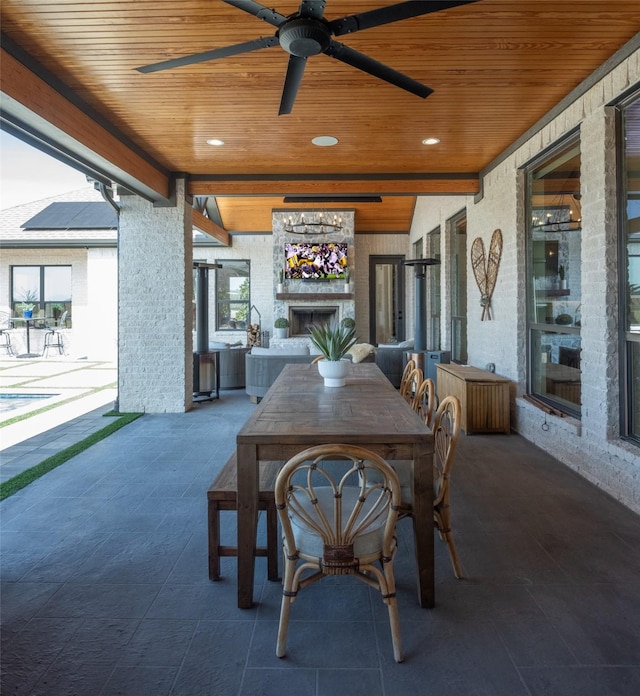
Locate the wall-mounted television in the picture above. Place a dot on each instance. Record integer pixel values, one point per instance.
(315, 261)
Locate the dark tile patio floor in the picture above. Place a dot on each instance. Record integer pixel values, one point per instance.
(105, 588)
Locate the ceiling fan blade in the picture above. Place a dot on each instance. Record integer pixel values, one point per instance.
(225, 52)
(295, 71)
(257, 10)
(391, 13)
(373, 67)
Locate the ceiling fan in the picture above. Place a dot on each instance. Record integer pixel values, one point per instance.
(307, 33)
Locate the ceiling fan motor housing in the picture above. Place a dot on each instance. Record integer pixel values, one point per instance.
(304, 37)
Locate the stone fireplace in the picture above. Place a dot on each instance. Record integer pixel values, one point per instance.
(301, 319)
(305, 302)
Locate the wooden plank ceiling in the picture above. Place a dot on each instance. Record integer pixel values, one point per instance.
(496, 67)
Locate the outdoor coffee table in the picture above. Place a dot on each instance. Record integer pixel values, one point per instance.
(297, 412)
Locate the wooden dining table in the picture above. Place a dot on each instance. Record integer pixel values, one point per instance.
(297, 412)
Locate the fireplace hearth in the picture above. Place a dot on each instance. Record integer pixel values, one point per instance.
(301, 319)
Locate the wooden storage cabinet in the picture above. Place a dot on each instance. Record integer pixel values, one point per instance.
(484, 397)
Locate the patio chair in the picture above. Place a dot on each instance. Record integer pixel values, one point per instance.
(54, 336)
(446, 433)
(338, 507)
(410, 365)
(424, 401)
(410, 384)
(5, 332)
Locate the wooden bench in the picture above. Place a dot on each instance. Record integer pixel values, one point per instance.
(223, 495)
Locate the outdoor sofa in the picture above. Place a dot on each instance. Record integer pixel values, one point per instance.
(263, 365)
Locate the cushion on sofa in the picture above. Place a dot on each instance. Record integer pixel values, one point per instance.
(360, 351)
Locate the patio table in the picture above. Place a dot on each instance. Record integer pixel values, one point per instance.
(29, 322)
(297, 412)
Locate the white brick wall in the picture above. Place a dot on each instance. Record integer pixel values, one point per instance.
(431, 212)
(102, 292)
(155, 299)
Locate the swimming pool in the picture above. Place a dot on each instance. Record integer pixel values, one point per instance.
(11, 402)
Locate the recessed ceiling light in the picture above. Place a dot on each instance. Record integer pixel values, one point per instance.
(325, 141)
(215, 141)
(431, 141)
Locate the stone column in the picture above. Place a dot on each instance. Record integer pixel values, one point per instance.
(155, 287)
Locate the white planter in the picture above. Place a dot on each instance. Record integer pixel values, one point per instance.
(333, 372)
(281, 333)
(279, 288)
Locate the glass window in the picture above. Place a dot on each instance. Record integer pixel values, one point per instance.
(233, 293)
(47, 288)
(554, 243)
(417, 249)
(630, 270)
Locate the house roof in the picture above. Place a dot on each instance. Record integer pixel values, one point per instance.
(24, 225)
(78, 218)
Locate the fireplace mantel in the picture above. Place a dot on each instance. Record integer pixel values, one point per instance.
(313, 296)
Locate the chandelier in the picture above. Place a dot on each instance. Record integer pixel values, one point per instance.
(310, 222)
(561, 215)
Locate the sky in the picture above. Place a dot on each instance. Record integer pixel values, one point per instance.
(27, 175)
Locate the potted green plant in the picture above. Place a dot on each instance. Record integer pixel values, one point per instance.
(27, 305)
(561, 275)
(27, 309)
(349, 322)
(56, 310)
(347, 280)
(334, 343)
(281, 327)
(280, 286)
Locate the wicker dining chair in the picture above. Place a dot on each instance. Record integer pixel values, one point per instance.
(411, 384)
(338, 507)
(425, 401)
(446, 433)
(410, 365)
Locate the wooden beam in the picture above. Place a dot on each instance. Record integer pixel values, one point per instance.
(28, 99)
(387, 185)
(204, 224)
